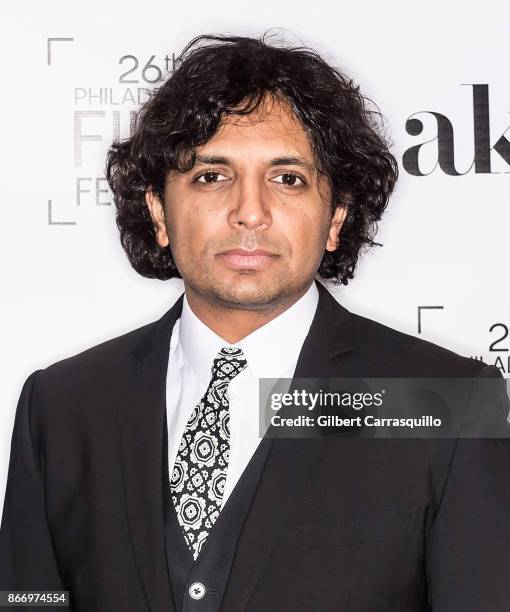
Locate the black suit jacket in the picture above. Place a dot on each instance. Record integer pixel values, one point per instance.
(336, 524)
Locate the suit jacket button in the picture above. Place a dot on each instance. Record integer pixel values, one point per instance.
(196, 590)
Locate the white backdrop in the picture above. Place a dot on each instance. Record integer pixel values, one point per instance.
(66, 282)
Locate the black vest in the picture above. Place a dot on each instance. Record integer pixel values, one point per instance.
(198, 586)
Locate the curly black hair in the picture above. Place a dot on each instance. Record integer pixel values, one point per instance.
(219, 75)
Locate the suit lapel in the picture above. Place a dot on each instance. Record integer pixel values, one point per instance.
(141, 426)
(330, 338)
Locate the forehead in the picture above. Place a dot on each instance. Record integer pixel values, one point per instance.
(271, 127)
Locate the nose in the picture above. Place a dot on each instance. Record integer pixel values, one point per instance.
(251, 205)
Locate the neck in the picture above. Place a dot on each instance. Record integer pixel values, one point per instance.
(233, 323)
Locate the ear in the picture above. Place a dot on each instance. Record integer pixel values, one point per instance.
(157, 212)
(335, 226)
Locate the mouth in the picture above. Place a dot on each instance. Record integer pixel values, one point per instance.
(247, 260)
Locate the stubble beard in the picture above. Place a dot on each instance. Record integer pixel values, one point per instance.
(263, 294)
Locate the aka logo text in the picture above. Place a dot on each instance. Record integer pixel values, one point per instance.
(446, 142)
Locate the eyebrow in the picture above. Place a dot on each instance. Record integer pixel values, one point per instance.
(277, 161)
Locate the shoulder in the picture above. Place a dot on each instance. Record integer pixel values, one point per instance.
(112, 359)
(102, 353)
(89, 374)
(399, 353)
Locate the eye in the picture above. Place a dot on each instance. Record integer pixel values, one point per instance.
(209, 177)
(289, 179)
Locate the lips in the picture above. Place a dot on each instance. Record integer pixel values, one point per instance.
(245, 252)
(241, 258)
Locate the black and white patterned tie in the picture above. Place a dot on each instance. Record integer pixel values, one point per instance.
(200, 469)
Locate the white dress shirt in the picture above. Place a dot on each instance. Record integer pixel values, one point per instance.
(271, 351)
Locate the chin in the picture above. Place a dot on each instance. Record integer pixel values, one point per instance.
(249, 292)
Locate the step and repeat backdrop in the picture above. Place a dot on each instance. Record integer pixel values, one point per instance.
(73, 76)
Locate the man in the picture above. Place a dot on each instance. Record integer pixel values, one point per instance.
(138, 477)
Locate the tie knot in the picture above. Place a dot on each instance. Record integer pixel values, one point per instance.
(229, 362)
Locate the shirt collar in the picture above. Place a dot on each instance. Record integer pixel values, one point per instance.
(269, 350)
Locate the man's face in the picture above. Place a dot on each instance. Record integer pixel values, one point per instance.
(249, 223)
